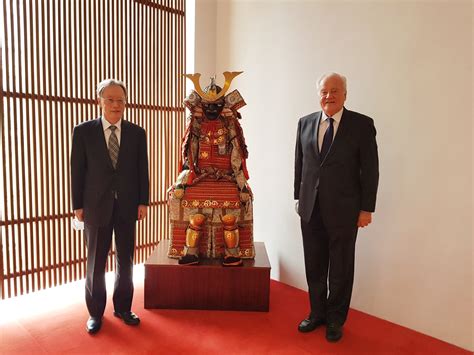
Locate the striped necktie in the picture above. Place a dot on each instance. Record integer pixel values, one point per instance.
(113, 146)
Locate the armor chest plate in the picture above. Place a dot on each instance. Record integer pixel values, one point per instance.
(214, 147)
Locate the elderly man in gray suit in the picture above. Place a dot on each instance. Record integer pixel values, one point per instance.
(336, 179)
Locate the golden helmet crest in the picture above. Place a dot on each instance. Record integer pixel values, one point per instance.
(212, 95)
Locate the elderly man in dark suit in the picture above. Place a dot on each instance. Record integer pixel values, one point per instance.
(336, 179)
(109, 174)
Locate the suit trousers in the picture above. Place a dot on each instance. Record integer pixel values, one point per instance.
(329, 261)
(99, 240)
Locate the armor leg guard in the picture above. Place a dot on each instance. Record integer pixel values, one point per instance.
(193, 234)
(231, 240)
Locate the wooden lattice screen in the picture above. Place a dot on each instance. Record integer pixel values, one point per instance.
(53, 54)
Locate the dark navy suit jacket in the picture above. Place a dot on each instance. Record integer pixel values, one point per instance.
(347, 180)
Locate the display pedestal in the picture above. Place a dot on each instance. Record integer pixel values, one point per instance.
(208, 285)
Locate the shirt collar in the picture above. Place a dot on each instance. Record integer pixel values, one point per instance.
(337, 116)
(106, 124)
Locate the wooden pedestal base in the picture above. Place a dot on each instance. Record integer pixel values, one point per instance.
(208, 285)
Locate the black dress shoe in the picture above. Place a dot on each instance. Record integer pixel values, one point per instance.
(309, 324)
(93, 324)
(188, 259)
(128, 318)
(333, 332)
(232, 261)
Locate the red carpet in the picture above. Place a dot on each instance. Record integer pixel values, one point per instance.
(36, 327)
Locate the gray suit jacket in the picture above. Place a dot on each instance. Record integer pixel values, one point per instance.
(347, 180)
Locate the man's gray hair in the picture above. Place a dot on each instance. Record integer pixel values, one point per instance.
(328, 75)
(109, 82)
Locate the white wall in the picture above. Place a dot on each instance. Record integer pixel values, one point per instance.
(205, 39)
(409, 66)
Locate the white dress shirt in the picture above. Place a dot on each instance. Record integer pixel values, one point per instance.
(324, 124)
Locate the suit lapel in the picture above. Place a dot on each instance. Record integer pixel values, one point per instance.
(315, 130)
(124, 137)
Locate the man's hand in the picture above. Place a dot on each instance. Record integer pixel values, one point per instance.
(365, 218)
(297, 203)
(142, 211)
(79, 214)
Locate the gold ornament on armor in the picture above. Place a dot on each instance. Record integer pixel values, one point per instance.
(193, 232)
(231, 231)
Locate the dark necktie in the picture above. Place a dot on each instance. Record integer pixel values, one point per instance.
(113, 146)
(327, 140)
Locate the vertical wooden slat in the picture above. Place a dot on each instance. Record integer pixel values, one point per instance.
(149, 219)
(112, 38)
(165, 112)
(151, 129)
(168, 95)
(93, 59)
(16, 244)
(45, 149)
(165, 103)
(3, 252)
(53, 138)
(161, 118)
(17, 152)
(49, 150)
(6, 160)
(158, 115)
(149, 116)
(126, 44)
(155, 137)
(152, 133)
(40, 152)
(23, 254)
(120, 38)
(182, 87)
(176, 88)
(72, 237)
(35, 104)
(62, 132)
(47, 140)
(146, 116)
(29, 233)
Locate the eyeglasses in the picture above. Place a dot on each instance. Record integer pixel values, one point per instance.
(110, 101)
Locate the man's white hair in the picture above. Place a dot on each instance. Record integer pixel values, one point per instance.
(331, 74)
(109, 82)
